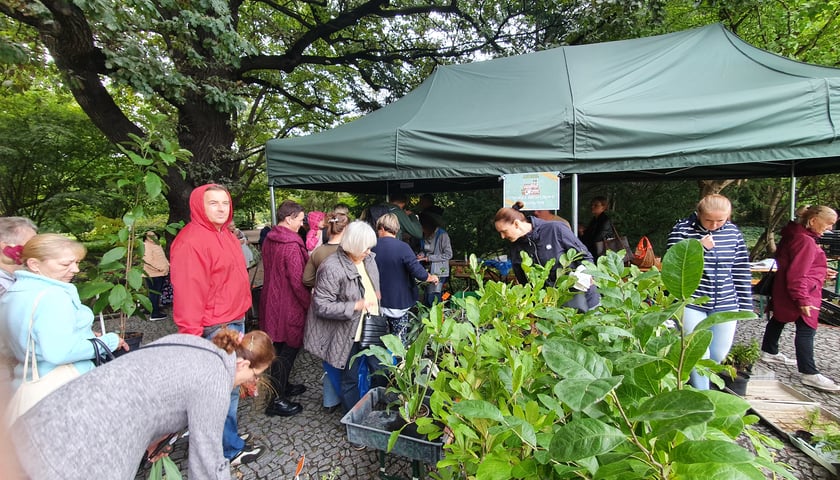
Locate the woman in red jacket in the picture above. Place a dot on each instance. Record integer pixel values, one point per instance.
(797, 293)
(283, 303)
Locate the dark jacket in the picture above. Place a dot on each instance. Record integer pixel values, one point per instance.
(599, 228)
(284, 299)
(398, 267)
(800, 276)
(332, 322)
(545, 241)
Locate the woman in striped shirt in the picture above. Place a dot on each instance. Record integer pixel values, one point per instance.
(726, 273)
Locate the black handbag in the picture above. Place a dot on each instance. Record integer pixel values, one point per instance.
(374, 327)
(765, 285)
(101, 353)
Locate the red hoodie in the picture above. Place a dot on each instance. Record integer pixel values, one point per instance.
(210, 283)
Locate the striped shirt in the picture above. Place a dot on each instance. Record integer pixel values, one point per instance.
(726, 267)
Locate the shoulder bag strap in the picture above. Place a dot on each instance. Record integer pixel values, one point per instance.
(30, 344)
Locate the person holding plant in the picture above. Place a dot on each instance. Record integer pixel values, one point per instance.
(346, 287)
(212, 290)
(110, 416)
(797, 294)
(398, 269)
(726, 274)
(156, 267)
(283, 304)
(542, 241)
(43, 296)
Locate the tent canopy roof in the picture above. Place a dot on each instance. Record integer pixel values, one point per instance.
(700, 103)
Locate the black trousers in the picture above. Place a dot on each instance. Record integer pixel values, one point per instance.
(281, 367)
(803, 341)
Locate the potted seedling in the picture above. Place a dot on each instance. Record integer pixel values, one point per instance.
(409, 371)
(741, 358)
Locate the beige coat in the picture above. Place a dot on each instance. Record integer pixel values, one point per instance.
(155, 263)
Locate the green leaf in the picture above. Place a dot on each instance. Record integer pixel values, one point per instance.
(92, 289)
(729, 471)
(118, 297)
(582, 393)
(135, 278)
(112, 255)
(682, 268)
(711, 451)
(582, 438)
(675, 410)
(724, 317)
(153, 185)
(478, 409)
(570, 359)
(493, 468)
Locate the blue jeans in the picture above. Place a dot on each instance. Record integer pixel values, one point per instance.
(232, 443)
(722, 336)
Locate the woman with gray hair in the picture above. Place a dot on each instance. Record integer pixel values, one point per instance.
(346, 287)
(14, 233)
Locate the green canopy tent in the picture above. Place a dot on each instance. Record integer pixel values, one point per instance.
(700, 103)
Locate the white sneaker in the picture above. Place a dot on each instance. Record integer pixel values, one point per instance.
(777, 359)
(820, 382)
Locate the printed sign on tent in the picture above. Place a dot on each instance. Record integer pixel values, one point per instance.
(538, 191)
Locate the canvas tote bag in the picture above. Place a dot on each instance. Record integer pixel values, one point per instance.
(33, 387)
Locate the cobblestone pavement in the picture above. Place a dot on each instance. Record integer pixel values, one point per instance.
(320, 436)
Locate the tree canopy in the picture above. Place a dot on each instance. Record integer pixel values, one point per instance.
(232, 74)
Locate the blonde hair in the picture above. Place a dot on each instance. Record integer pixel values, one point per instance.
(388, 222)
(821, 211)
(714, 203)
(47, 246)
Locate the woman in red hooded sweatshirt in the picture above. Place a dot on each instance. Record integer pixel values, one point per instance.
(283, 303)
(797, 294)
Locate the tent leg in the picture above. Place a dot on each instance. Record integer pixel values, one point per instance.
(792, 194)
(273, 206)
(575, 203)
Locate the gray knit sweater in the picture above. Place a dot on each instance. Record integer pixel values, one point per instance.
(100, 424)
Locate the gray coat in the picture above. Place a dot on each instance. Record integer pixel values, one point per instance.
(331, 321)
(99, 425)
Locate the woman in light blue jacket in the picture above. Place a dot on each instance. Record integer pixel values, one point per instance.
(61, 324)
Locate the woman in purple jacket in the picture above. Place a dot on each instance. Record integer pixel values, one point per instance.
(283, 303)
(797, 294)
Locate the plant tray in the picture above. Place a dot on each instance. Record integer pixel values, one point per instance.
(786, 410)
(788, 419)
(774, 391)
(371, 436)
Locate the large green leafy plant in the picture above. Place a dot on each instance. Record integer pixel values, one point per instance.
(117, 281)
(529, 389)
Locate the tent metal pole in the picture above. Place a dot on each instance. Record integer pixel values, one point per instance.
(273, 204)
(575, 203)
(792, 193)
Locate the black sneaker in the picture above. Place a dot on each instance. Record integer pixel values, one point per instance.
(247, 455)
